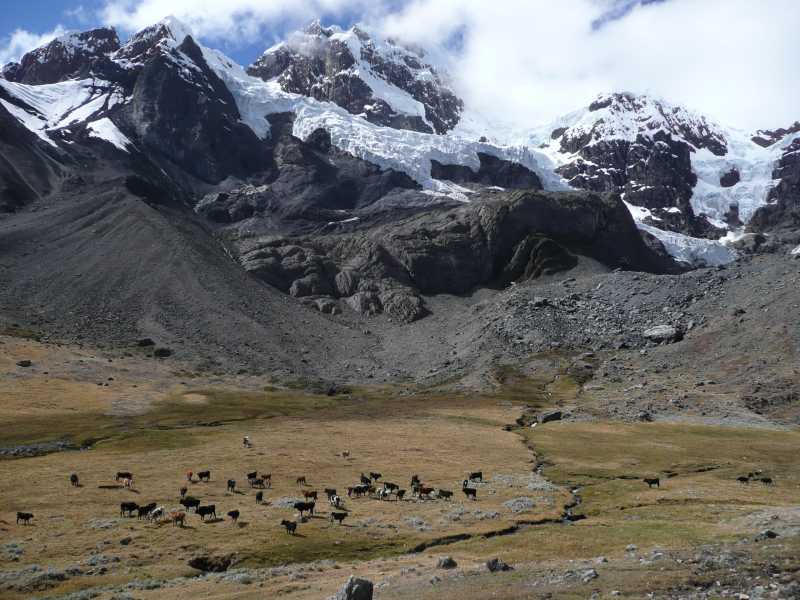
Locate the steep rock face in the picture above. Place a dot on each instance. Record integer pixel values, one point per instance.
(642, 148)
(385, 82)
(783, 210)
(73, 56)
(767, 137)
(494, 240)
(181, 110)
(492, 171)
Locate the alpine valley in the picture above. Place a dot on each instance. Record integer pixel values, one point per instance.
(331, 251)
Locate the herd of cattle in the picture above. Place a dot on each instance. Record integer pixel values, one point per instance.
(368, 486)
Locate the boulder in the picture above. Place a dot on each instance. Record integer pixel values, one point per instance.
(212, 564)
(496, 565)
(547, 417)
(162, 352)
(355, 589)
(663, 333)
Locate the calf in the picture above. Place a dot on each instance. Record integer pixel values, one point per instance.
(308, 495)
(234, 515)
(183, 491)
(128, 482)
(205, 511)
(267, 477)
(301, 480)
(24, 517)
(654, 481)
(73, 479)
(143, 511)
(476, 476)
(123, 475)
(259, 497)
(231, 486)
(178, 518)
(291, 526)
(444, 494)
(338, 516)
(127, 507)
(204, 475)
(190, 502)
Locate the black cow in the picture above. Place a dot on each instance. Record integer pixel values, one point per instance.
(468, 491)
(476, 476)
(190, 502)
(375, 476)
(252, 475)
(302, 507)
(291, 526)
(767, 480)
(205, 511)
(183, 491)
(365, 480)
(127, 507)
(654, 481)
(234, 515)
(330, 492)
(24, 517)
(338, 516)
(743, 479)
(145, 510)
(123, 475)
(73, 479)
(400, 494)
(204, 475)
(231, 485)
(259, 497)
(444, 494)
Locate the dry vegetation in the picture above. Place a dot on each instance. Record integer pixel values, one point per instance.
(198, 423)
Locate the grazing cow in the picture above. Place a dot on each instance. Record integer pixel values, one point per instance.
(24, 517)
(468, 491)
(338, 516)
(123, 475)
(231, 486)
(767, 480)
(291, 526)
(654, 481)
(127, 507)
(444, 494)
(375, 476)
(267, 477)
(476, 476)
(387, 485)
(345, 453)
(204, 511)
(335, 501)
(365, 480)
(425, 491)
(178, 518)
(251, 476)
(204, 475)
(156, 514)
(400, 494)
(330, 492)
(145, 510)
(743, 479)
(312, 494)
(73, 479)
(234, 515)
(383, 494)
(183, 491)
(301, 480)
(246, 443)
(190, 502)
(259, 497)
(302, 507)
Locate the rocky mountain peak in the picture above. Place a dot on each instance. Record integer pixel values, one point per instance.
(381, 80)
(168, 32)
(69, 56)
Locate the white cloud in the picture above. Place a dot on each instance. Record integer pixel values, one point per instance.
(21, 41)
(531, 60)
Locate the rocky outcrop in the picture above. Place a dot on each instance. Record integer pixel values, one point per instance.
(782, 212)
(766, 137)
(320, 62)
(495, 240)
(492, 171)
(72, 56)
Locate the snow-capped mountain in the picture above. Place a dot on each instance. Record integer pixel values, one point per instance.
(334, 120)
(383, 81)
